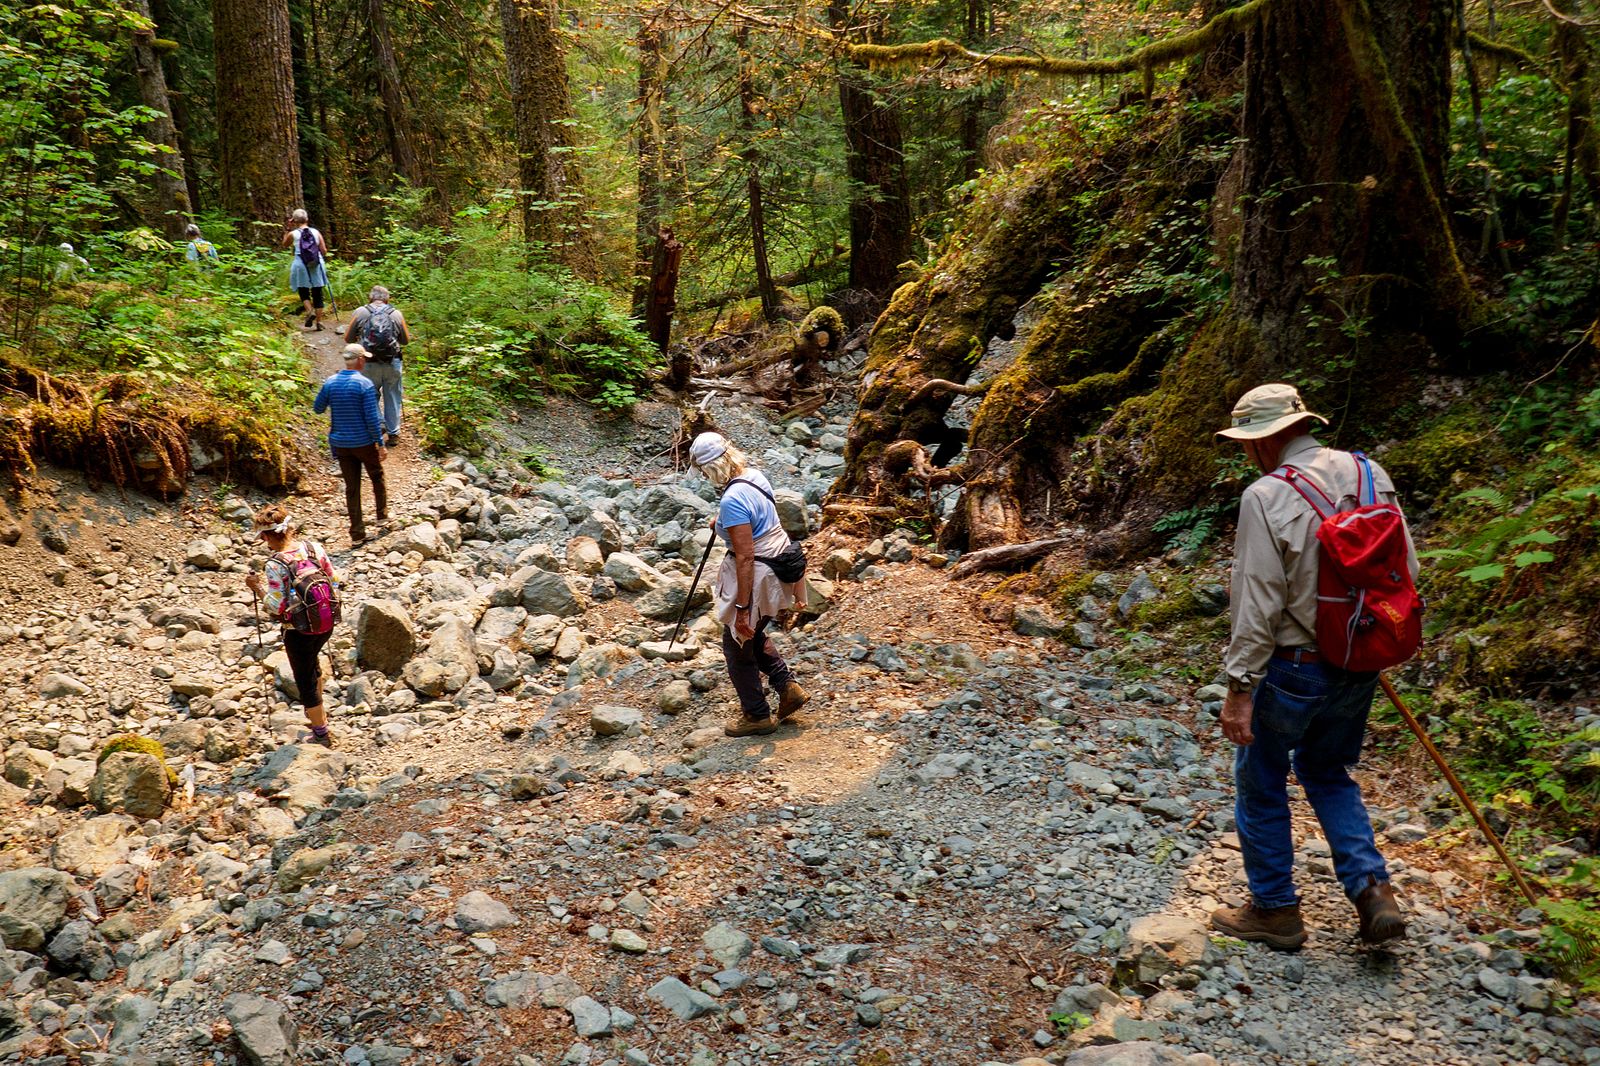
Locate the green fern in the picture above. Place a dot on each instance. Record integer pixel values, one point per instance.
(1572, 940)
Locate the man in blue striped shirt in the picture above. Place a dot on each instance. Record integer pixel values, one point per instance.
(355, 433)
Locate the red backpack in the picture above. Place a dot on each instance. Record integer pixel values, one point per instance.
(1369, 616)
(310, 599)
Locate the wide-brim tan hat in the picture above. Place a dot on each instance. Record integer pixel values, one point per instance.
(1264, 410)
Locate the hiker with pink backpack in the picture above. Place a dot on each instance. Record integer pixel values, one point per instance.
(301, 592)
(308, 270)
(1323, 597)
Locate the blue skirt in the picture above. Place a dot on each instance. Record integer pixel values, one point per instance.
(301, 278)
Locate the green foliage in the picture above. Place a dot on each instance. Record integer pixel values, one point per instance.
(69, 145)
(1571, 934)
(1192, 527)
(1070, 1022)
(488, 325)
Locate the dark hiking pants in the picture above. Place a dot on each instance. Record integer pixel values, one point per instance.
(351, 462)
(747, 662)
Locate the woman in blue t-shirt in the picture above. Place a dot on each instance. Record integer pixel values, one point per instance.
(748, 594)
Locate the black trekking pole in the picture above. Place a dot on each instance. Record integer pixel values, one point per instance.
(692, 585)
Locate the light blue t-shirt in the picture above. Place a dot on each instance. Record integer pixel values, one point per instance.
(744, 505)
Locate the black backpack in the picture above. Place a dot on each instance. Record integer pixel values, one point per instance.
(380, 336)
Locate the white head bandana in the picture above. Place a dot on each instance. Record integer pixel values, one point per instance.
(281, 527)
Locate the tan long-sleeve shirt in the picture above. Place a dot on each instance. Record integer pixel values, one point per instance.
(1273, 601)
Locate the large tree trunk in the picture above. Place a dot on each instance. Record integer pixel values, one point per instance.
(256, 128)
(542, 110)
(752, 161)
(880, 195)
(1345, 277)
(396, 113)
(177, 99)
(173, 206)
(652, 154)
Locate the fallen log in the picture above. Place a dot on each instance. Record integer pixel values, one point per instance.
(1006, 555)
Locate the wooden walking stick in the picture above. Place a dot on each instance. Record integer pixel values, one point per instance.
(1456, 787)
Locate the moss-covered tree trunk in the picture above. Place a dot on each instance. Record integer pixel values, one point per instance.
(257, 131)
(880, 195)
(1328, 218)
(171, 191)
(391, 91)
(650, 140)
(541, 107)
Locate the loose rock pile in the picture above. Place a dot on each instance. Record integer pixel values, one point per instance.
(533, 845)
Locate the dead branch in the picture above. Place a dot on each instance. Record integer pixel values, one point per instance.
(1003, 556)
(940, 386)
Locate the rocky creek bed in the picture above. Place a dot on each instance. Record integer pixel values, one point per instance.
(533, 846)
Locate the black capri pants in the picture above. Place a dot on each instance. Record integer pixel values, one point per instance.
(314, 294)
(303, 650)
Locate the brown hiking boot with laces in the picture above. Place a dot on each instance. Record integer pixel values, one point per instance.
(1280, 928)
(750, 727)
(1380, 914)
(794, 697)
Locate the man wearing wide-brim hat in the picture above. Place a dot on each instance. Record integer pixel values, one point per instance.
(1285, 706)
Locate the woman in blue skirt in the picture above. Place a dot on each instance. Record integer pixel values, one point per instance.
(308, 272)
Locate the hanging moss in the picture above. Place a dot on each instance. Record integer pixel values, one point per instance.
(1145, 60)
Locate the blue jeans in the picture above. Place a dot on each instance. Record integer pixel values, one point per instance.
(386, 376)
(1315, 716)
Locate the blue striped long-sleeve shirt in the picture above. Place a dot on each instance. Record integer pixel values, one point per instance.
(352, 404)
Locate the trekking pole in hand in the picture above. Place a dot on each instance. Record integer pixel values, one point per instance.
(261, 641)
(692, 585)
(1456, 787)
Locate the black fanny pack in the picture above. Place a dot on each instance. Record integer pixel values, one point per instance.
(788, 567)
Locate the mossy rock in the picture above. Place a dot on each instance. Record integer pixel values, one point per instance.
(143, 745)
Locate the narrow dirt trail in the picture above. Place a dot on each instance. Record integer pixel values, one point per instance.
(406, 471)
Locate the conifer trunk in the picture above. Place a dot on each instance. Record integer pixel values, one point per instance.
(172, 203)
(396, 113)
(765, 287)
(541, 107)
(880, 195)
(257, 130)
(651, 154)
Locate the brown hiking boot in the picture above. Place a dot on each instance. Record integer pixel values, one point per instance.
(747, 727)
(1380, 914)
(1280, 928)
(794, 697)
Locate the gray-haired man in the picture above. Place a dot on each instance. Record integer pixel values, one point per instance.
(382, 331)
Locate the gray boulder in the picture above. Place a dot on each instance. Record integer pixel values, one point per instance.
(479, 912)
(608, 721)
(132, 782)
(661, 503)
(544, 592)
(93, 846)
(687, 1003)
(632, 573)
(664, 603)
(585, 556)
(447, 664)
(267, 1034)
(603, 530)
(501, 625)
(422, 539)
(54, 686)
(792, 513)
(33, 904)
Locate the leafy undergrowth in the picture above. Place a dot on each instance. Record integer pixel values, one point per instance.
(492, 322)
(143, 369)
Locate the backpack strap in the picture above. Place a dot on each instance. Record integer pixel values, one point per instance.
(1366, 484)
(752, 484)
(1296, 480)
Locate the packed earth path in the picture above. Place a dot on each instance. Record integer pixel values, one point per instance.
(532, 844)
